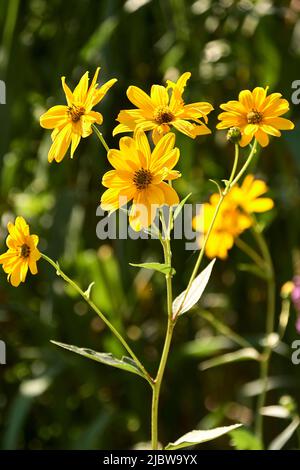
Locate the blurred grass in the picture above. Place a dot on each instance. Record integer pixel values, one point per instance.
(228, 46)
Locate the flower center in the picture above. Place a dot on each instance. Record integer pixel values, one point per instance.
(163, 115)
(254, 117)
(142, 178)
(75, 112)
(25, 251)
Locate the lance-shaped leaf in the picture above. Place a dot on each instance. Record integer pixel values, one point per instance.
(160, 267)
(198, 436)
(236, 356)
(180, 206)
(280, 441)
(126, 363)
(186, 300)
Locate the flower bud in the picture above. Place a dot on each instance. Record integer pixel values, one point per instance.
(234, 135)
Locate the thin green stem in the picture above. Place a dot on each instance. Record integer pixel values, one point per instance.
(223, 194)
(168, 339)
(100, 136)
(248, 250)
(245, 166)
(270, 320)
(225, 330)
(85, 296)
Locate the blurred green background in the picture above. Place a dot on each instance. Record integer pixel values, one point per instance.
(49, 398)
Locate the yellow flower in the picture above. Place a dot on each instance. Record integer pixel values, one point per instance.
(257, 115)
(234, 215)
(22, 252)
(229, 224)
(161, 110)
(139, 176)
(247, 196)
(75, 120)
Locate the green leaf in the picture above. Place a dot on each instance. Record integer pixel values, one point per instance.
(199, 436)
(186, 300)
(206, 346)
(243, 439)
(160, 267)
(180, 206)
(280, 441)
(125, 363)
(253, 269)
(236, 356)
(275, 411)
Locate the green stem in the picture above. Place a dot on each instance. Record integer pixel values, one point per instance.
(244, 168)
(210, 228)
(85, 296)
(270, 319)
(248, 250)
(225, 330)
(168, 339)
(100, 136)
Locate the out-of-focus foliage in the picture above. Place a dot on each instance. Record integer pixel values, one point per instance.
(50, 398)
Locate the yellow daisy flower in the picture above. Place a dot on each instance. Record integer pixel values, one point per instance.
(22, 252)
(229, 224)
(257, 115)
(161, 110)
(139, 176)
(247, 196)
(75, 120)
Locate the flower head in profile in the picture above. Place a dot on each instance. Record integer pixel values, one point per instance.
(73, 121)
(139, 176)
(162, 110)
(256, 115)
(22, 252)
(229, 224)
(248, 195)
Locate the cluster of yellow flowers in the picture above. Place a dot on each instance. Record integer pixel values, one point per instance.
(141, 174)
(234, 216)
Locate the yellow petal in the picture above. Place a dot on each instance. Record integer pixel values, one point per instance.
(117, 179)
(33, 266)
(54, 117)
(170, 196)
(95, 96)
(245, 140)
(68, 93)
(279, 123)
(75, 142)
(81, 89)
(270, 130)
(259, 96)
(245, 98)
(142, 212)
(123, 160)
(159, 95)
(250, 129)
(189, 129)
(166, 160)
(113, 198)
(164, 146)
(261, 204)
(60, 144)
(262, 138)
(142, 143)
(140, 99)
